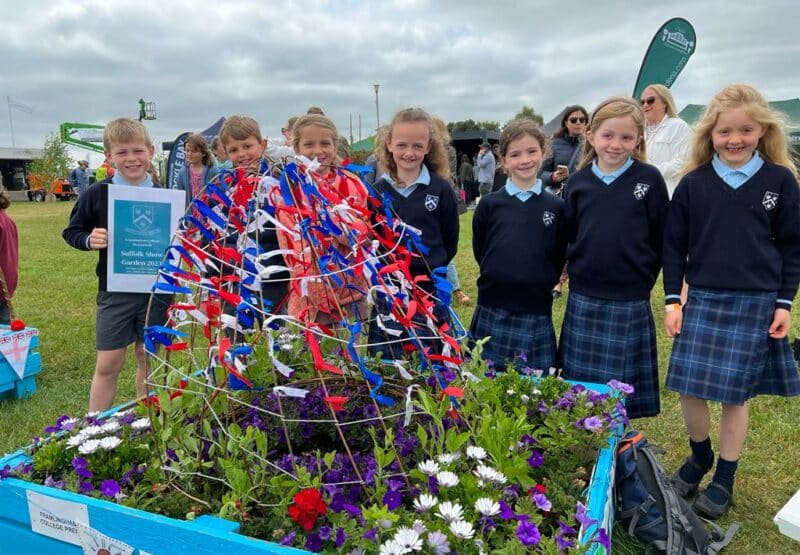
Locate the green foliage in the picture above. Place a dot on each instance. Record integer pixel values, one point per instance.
(527, 112)
(472, 125)
(55, 162)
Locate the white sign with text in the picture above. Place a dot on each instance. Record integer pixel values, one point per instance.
(56, 518)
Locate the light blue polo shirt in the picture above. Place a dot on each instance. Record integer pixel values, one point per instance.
(117, 179)
(424, 178)
(609, 178)
(523, 194)
(735, 178)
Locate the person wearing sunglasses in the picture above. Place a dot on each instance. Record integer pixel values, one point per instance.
(564, 148)
(667, 136)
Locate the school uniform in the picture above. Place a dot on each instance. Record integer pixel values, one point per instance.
(519, 241)
(741, 232)
(615, 228)
(428, 206)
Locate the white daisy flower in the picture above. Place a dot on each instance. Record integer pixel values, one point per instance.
(89, 446)
(487, 506)
(91, 431)
(110, 427)
(109, 443)
(76, 440)
(425, 502)
(448, 458)
(462, 529)
(141, 423)
(489, 474)
(438, 542)
(428, 467)
(121, 414)
(475, 452)
(510, 392)
(393, 548)
(287, 348)
(449, 512)
(92, 414)
(408, 538)
(419, 527)
(524, 398)
(447, 479)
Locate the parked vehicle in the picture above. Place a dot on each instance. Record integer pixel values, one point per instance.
(59, 188)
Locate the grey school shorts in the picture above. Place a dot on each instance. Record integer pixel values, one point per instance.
(121, 318)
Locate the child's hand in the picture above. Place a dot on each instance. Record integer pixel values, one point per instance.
(98, 238)
(780, 323)
(673, 320)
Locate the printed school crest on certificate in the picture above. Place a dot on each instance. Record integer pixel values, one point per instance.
(142, 216)
(548, 218)
(770, 201)
(431, 202)
(640, 191)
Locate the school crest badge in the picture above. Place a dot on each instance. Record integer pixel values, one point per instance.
(431, 202)
(640, 191)
(548, 218)
(142, 216)
(770, 201)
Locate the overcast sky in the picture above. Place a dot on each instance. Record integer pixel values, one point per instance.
(197, 60)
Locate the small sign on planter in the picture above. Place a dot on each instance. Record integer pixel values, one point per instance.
(56, 518)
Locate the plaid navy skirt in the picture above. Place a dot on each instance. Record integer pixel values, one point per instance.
(724, 352)
(529, 337)
(603, 339)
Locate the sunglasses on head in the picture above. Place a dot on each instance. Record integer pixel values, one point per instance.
(573, 120)
(649, 100)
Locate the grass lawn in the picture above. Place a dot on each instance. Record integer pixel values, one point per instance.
(56, 294)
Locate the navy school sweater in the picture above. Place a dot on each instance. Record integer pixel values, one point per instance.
(433, 210)
(90, 211)
(615, 232)
(746, 238)
(520, 248)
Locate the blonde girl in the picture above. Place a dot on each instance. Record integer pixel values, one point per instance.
(414, 156)
(615, 207)
(733, 233)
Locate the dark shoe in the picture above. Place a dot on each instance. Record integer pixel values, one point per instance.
(682, 487)
(710, 509)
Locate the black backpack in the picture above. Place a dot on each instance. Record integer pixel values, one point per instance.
(653, 512)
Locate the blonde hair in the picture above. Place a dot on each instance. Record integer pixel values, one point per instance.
(772, 146)
(610, 108)
(436, 159)
(517, 129)
(239, 128)
(666, 97)
(314, 120)
(444, 137)
(124, 130)
(199, 143)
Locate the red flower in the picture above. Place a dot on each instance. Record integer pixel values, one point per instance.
(307, 507)
(17, 325)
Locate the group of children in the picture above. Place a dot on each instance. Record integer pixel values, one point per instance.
(732, 232)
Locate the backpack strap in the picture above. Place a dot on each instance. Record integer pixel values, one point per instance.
(721, 537)
(636, 513)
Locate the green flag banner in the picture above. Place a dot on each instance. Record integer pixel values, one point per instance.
(670, 49)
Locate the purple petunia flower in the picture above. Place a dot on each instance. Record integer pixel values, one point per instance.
(622, 387)
(81, 467)
(581, 516)
(603, 539)
(522, 356)
(371, 534)
(392, 499)
(563, 528)
(49, 482)
(528, 533)
(288, 538)
(109, 488)
(593, 424)
(542, 502)
(563, 542)
(506, 512)
(433, 485)
(5, 472)
(536, 459)
(341, 537)
(528, 440)
(542, 407)
(313, 543)
(84, 486)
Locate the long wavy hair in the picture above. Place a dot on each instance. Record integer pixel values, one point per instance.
(562, 129)
(772, 146)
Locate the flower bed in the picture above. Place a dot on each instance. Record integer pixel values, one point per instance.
(457, 489)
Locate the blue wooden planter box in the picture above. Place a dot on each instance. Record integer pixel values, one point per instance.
(11, 386)
(151, 534)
